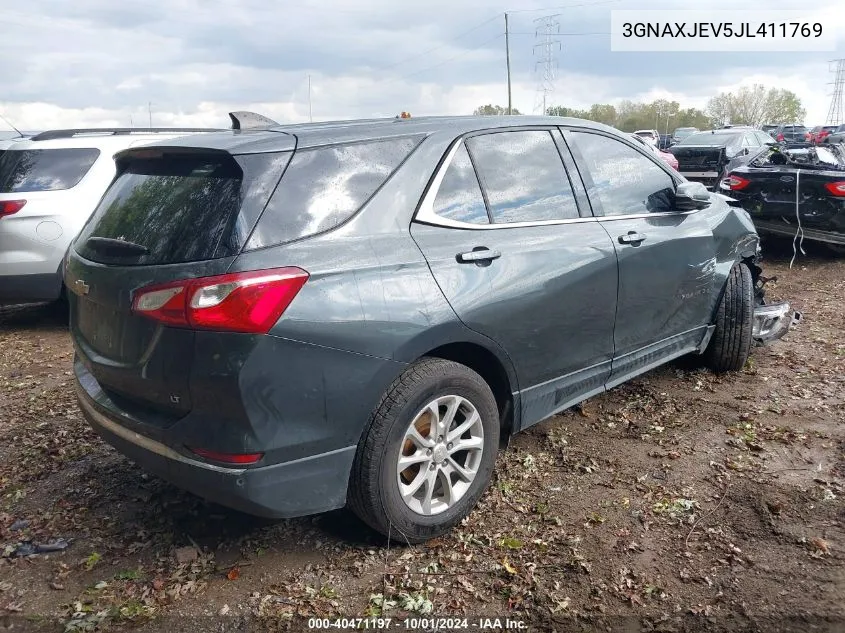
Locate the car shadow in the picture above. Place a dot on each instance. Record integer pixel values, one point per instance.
(133, 501)
(34, 316)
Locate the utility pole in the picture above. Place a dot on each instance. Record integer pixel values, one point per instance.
(310, 118)
(508, 60)
(834, 115)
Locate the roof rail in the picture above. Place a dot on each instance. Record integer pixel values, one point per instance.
(245, 120)
(115, 131)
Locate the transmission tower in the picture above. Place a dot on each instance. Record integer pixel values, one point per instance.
(548, 44)
(834, 115)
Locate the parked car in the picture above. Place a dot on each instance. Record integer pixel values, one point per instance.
(664, 141)
(681, 133)
(794, 135)
(49, 185)
(816, 135)
(652, 136)
(8, 141)
(836, 136)
(703, 156)
(781, 188)
(768, 128)
(328, 314)
(665, 156)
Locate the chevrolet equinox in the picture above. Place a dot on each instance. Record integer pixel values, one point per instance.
(297, 318)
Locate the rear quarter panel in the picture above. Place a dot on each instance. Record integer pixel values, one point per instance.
(370, 289)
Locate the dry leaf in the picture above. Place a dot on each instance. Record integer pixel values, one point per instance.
(508, 567)
(234, 573)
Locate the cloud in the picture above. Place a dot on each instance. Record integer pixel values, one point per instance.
(101, 63)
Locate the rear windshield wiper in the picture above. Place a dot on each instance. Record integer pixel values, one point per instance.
(108, 245)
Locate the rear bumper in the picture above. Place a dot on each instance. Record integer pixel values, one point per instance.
(310, 485)
(30, 288)
(818, 235)
(709, 179)
(772, 321)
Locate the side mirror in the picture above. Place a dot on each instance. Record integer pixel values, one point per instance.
(691, 196)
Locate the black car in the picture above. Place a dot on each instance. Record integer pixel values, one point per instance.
(769, 129)
(664, 142)
(785, 190)
(792, 135)
(703, 156)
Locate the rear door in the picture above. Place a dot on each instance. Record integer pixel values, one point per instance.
(512, 245)
(169, 215)
(666, 258)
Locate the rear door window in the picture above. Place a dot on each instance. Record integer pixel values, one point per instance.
(523, 177)
(325, 186)
(459, 197)
(30, 170)
(182, 207)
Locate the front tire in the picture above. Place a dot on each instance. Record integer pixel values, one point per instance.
(730, 345)
(428, 452)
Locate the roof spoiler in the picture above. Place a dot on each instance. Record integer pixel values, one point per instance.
(245, 120)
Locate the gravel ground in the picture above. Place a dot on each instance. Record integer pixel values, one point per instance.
(680, 501)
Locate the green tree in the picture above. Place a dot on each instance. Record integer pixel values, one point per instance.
(493, 110)
(564, 111)
(629, 116)
(755, 105)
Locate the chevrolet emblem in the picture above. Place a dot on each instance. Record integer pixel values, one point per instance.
(81, 287)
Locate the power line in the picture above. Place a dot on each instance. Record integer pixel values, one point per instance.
(496, 17)
(567, 6)
(451, 59)
(534, 33)
(436, 48)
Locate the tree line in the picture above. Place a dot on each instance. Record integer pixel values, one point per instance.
(750, 105)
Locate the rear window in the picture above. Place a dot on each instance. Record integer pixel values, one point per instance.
(711, 139)
(325, 186)
(181, 207)
(44, 169)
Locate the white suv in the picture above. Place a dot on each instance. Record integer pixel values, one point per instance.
(49, 186)
(649, 136)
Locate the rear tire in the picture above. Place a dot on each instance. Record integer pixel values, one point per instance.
(730, 345)
(408, 424)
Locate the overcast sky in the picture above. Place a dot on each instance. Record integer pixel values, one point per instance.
(99, 62)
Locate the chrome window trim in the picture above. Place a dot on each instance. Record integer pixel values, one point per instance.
(426, 215)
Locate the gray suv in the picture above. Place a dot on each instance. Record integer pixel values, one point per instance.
(294, 319)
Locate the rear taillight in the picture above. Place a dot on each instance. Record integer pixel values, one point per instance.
(249, 302)
(8, 207)
(780, 137)
(228, 458)
(836, 188)
(735, 183)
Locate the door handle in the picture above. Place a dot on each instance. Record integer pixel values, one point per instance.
(632, 237)
(477, 256)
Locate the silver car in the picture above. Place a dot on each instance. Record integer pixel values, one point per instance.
(49, 186)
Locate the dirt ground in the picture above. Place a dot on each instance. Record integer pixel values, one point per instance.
(681, 501)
